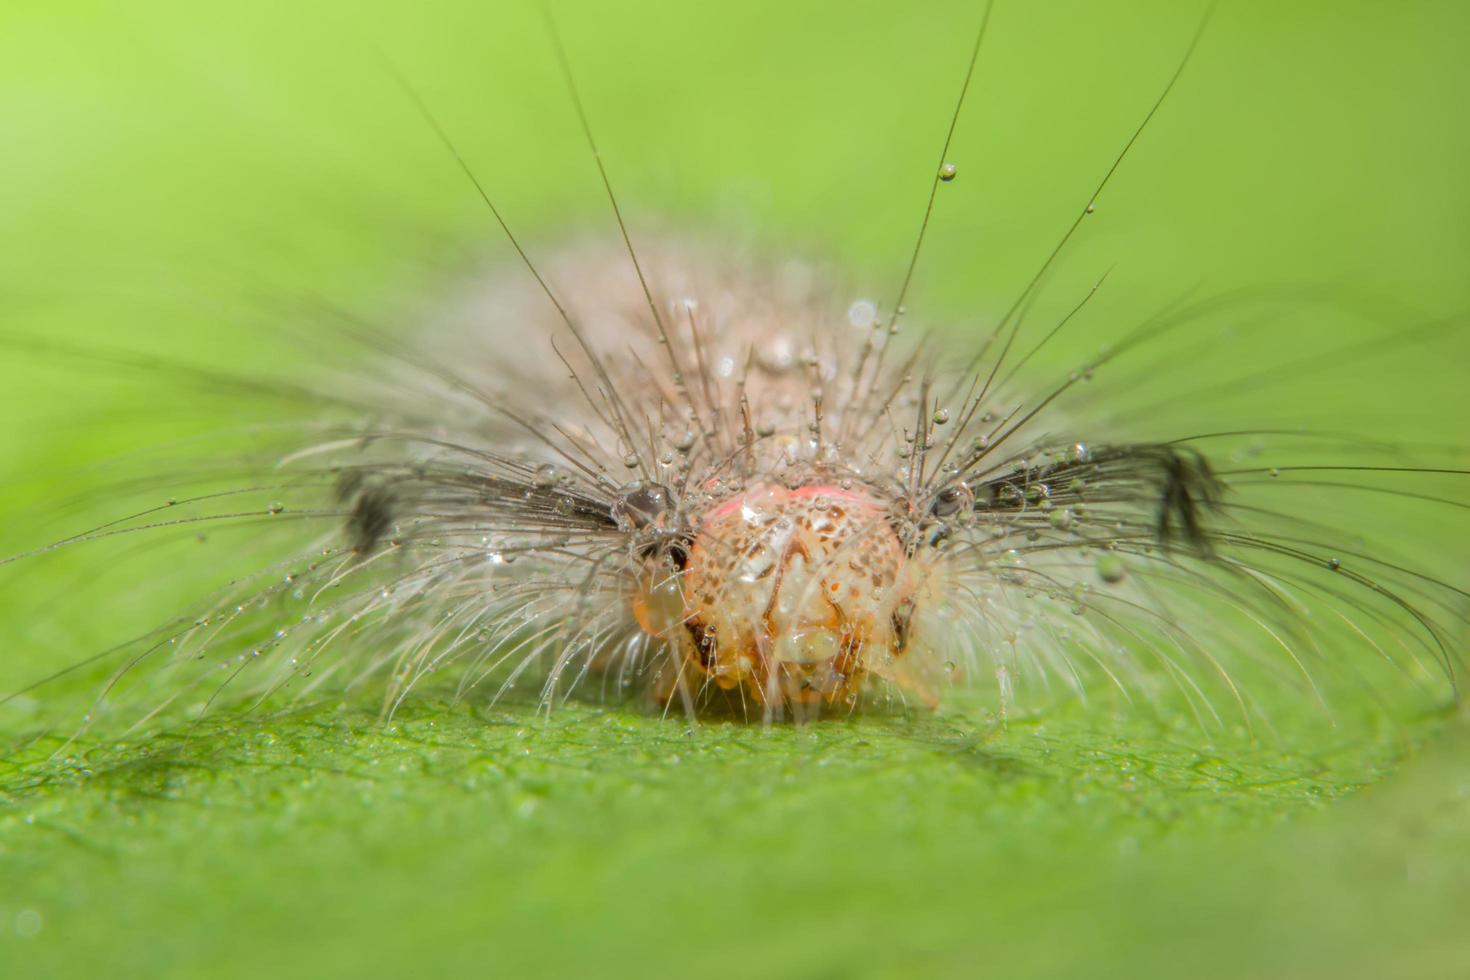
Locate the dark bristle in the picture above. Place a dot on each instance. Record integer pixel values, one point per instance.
(1187, 487)
(371, 519)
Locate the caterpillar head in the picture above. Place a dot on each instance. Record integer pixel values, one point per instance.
(793, 596)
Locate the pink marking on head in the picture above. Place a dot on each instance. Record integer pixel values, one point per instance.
(729, 506)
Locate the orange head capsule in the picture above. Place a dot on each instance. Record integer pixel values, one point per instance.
(795, 596)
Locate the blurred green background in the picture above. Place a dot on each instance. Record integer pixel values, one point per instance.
(173, 177)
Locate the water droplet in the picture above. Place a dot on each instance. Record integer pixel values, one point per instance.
(1110, 568)
(778, 355)
(1012, 571)
(643, 505)
(953, 499)
(546, 476)
(947, 172)
(631, 461)
(941, 416)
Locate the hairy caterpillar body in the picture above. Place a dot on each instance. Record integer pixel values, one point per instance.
(732, 482)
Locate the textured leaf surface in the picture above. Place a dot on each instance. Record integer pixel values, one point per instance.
(167, 166)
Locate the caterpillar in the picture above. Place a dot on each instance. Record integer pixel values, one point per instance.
(715, 476)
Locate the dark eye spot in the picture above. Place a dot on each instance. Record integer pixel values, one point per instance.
(704, 642)
(902, 622)
(675, 549)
